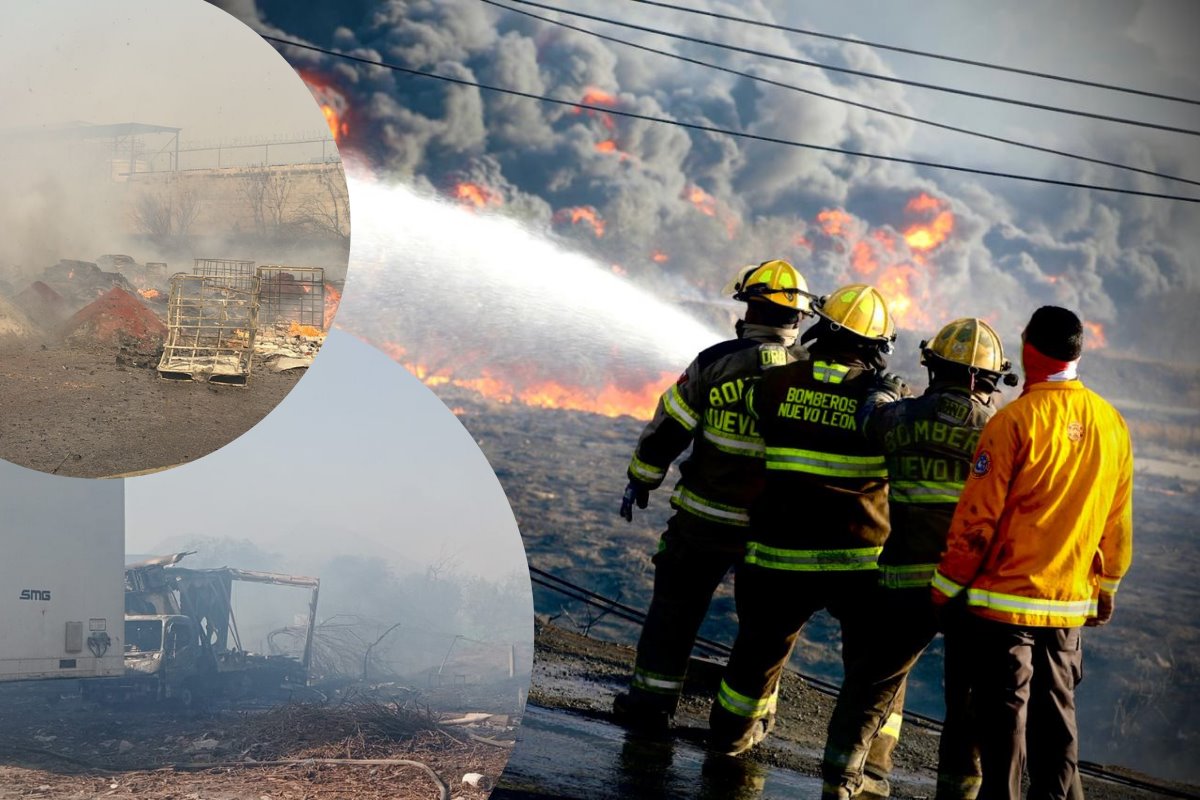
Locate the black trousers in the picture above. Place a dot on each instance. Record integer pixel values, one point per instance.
(772, 607)
(1022, 688)
(693, 558)
(899, 629)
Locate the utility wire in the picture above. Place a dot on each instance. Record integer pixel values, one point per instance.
(836, 99)
(723, 131)
(576, 592)
(861, 73)
(923, 53)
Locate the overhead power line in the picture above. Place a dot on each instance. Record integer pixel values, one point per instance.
(864, 74)
(923, 53)
(845, 101)
(574, 591)
(723, 131)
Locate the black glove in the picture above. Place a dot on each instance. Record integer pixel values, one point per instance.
(1105, 606)
(634, 491)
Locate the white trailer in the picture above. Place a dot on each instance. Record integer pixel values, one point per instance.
(62, 576)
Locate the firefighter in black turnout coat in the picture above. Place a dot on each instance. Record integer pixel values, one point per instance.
(819, 524)
(719, 480)
(929, 444)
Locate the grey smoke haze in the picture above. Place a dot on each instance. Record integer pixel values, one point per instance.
(1118, 260)
(180, 64)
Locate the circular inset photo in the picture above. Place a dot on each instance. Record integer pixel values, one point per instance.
(296, 615)
(176, 233)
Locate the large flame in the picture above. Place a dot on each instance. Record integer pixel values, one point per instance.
(922, 237)
(704, 202)
(586, 214)
(895, 264)
(476, 196)
(1095, 338)
(333, 105)
(593, 96)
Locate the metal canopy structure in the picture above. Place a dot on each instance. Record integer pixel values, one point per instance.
(126, 138)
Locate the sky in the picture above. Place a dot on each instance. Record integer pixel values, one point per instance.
(360, 460)
(177, 63)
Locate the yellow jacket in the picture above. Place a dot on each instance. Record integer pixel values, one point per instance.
(1045, 522)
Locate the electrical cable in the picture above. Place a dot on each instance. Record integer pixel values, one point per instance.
(923, 53)
(845, 101)
(723, 131)
(577, 592)
(862, 73)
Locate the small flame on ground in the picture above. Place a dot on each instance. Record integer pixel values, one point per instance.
(659, 257)
(311, 331)
(617, 269)
(332, 299)
(150, 294)
(586, 214)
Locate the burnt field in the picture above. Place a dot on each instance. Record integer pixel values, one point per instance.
(79, 351)
(564, 472)
(382, 742)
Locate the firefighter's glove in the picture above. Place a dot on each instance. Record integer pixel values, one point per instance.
(892, 384)
(1104, 610)
(635, 491)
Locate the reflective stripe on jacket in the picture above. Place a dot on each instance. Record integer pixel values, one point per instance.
(1045, 520)
(825, 502)
(705, 408)
(928, 444)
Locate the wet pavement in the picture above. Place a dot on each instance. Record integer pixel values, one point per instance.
(565, 755)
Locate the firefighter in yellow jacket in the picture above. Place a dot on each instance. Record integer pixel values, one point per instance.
(1039, 542)
(719, 479)
(928, 443)
(820, 523)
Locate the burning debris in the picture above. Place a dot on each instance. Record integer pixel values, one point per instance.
(116, 319)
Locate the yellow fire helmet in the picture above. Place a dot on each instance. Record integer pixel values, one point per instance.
(859, 309)
(776, 282)
(970, 342)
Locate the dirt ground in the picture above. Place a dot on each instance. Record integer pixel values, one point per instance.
(581, 674)
(104, 411)
(57, 746)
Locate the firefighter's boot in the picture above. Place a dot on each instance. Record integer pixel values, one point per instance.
(643, 713)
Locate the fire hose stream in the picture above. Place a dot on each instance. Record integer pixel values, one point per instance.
(711, 647)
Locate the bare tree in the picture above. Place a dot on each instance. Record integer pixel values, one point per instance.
(328, 210)
(167, 213)
(266, 193)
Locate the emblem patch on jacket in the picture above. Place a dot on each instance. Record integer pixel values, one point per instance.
(1075, 431)
(983, 464)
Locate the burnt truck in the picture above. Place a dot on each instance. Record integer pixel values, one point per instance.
(182, 642)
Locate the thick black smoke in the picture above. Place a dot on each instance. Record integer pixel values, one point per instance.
(1120, 261)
